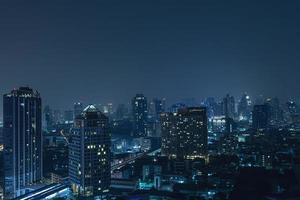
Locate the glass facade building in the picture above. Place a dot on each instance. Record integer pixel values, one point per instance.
(22, 117)
(89, 154)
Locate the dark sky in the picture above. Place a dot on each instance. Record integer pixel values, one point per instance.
(106, 51)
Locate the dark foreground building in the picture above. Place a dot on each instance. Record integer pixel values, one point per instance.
(22, 117)
(89, 154)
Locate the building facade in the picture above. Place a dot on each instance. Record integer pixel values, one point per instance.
(89, 154)
(260, 116)
(78, 108)
(22, 128)
(184, 133)
(139, 115)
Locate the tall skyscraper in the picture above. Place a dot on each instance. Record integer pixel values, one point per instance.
(89, 154)
(184, 133)
(139, 115)
(78, 108)
(22, 116)
(260, 116)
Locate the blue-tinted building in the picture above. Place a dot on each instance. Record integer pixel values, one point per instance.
(22, 129)
(89, 154)
(139, 115)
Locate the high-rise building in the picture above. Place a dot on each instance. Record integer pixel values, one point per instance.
(276, 113)
(229, 106)
(260, 116)
(78, 108)
(48, 116)
(184, 133)
(89, 154)
(244, 108)
(22, 115)
(68, 115)
(160, 106)
(58, 117)
(139, 115)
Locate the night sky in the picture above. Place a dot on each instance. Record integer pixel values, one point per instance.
(106, 51)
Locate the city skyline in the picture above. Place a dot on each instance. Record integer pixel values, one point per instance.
(171, 49)
(172, 99)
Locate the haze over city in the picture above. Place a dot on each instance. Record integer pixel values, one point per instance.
(107, 51)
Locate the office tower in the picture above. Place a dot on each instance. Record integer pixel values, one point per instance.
(260, 116)
(139, 115)
(48, 115)
(228, 106)
(184, 133)
(22, 115)
(210, 104)
(244, 107)
(110, 109)
(160, 107)
(57, 117)
(89, 154)
(78, 108)
(68, 115)
(276, 113)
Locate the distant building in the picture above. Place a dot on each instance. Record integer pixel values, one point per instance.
(139, 115)
(22, 128)
(78, 108)
(228, 105)
(68, 115)
(260, 116)
(244, 108)
(48, 116)
(121, 112)
(89, 154)
(184, 133)
(156, 107)
(275, 111)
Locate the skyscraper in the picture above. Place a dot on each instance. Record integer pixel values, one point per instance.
(184, 133)
(160, 106)
(89, 154)
(275, 111)
(68, 116)
(229, 106)
(260, 116)
(48, 116)
(139, 115)
(244, 107)
(22, 115)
